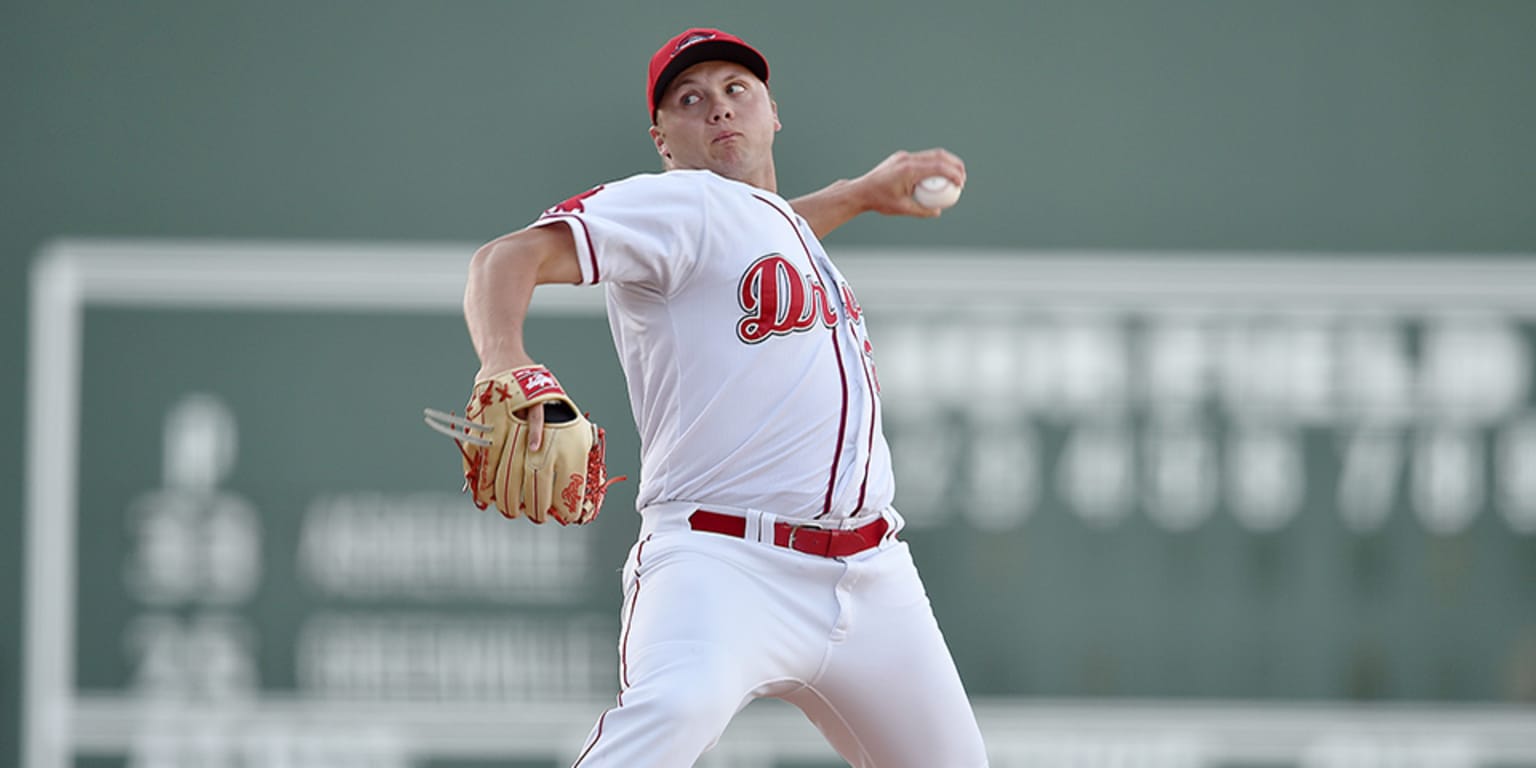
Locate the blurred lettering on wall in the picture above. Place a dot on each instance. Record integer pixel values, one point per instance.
(1171, 509)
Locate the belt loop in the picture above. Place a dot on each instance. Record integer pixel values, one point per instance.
(765, 525)
(895, 520)
(753, 520)
(749, 527)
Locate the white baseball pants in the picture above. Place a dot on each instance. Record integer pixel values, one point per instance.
(711, 622)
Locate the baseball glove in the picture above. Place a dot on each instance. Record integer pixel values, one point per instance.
(566, 479)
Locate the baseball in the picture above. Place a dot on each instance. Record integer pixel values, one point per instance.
(936, 192)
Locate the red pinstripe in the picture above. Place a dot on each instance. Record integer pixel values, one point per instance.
(869, 450)
(595, 737)
(623, 657)
(837, 349)
(624, 641)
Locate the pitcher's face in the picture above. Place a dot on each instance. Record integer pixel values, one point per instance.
(717, 116)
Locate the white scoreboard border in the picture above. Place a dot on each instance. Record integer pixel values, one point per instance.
(70, 275)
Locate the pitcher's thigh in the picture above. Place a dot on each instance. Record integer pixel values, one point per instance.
(674, 711)
(683, 668)
(890, 696)
(914, 714)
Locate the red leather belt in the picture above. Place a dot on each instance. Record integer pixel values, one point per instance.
(825, 542)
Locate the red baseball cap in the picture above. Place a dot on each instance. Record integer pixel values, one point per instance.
(693, 46)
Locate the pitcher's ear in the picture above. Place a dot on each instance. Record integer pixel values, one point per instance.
(661, 143)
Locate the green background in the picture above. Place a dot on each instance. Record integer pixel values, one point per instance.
(1350, 127)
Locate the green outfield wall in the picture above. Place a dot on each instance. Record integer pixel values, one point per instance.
(1213, 402)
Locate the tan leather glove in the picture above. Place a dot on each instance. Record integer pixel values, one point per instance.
(565, 479)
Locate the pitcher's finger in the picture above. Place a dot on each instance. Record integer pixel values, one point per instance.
(535, 427)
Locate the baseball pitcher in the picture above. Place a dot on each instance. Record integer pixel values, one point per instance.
(769, 561)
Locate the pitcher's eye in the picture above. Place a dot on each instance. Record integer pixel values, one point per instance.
(688, 99)
(735, 88)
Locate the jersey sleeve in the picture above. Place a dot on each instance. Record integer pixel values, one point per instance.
(643, 230)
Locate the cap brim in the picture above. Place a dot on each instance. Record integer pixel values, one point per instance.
(709, 50)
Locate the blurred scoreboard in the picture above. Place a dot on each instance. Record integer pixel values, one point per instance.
(1185, 511)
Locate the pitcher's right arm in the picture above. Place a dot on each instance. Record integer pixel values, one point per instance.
(502, 275)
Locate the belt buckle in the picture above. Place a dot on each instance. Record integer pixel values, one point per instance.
(794, 530)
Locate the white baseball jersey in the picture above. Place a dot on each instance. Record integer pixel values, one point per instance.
(754, 390)
(749, 368)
